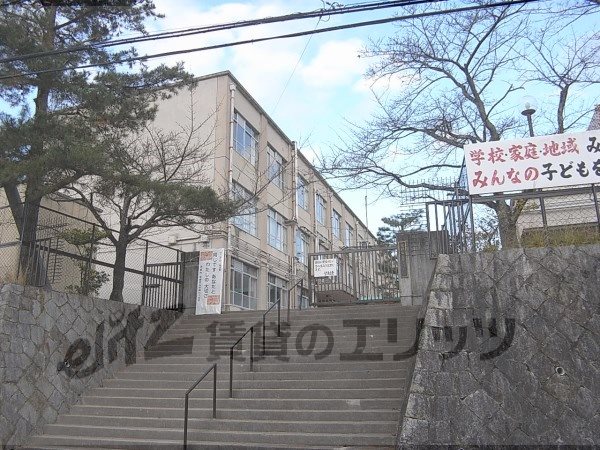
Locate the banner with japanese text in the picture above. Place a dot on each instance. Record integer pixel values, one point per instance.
(210, 281)
(534, 162)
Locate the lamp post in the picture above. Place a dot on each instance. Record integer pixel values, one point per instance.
(529, 108)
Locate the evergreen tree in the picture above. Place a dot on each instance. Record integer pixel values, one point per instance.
(61, 122)
(410, 220)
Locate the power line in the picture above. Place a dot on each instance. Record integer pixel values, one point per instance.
(281, 36)
(294, 69)
(354, 8)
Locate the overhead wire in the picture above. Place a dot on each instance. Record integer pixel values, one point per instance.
(319, 13)
(294, 69)
(281, 36)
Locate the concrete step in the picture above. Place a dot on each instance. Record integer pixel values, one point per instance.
(346, 340)
(222, 382)
(365, 374)
(303, 402)
(380, 309)
(258, 423)
(236, 413)
(289, 392)
(333, 321)
(248, 403)
(290, 437)
(99, 443)
(286, 357)
(309, 365)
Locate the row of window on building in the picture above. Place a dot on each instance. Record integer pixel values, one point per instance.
(277, 231)
(244, 288)
(245, 144)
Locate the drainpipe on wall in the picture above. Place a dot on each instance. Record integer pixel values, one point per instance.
(294, 222)
(227, 282)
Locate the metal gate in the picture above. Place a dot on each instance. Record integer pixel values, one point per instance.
(163, 285)
(357, 275)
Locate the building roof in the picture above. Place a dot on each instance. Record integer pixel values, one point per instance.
(254, 103)
(595, 122)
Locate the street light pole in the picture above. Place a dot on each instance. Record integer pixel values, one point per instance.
(529, 104)
(528, 113)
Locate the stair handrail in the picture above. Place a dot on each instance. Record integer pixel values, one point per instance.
(187, 394)
(251, 330)
(278, 303)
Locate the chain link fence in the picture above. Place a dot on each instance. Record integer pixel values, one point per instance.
(70, 254)
(541, 218)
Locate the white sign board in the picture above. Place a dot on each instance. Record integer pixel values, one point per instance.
(325, 268)
(537, 162)
(210, 281)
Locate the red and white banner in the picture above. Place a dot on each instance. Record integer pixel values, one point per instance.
(531, 163)
(210, 281)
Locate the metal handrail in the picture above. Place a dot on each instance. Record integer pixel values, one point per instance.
(187, 394)
(278, 303)
(251, 330)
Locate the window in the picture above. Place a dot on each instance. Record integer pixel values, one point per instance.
(245, 139)
(320, 209)
(349, 235)
(275, 171)
(302, 193)
(246, 220)
(302, 246)
(277, 233)
(243, 284)
(336, 221)
(277, 291)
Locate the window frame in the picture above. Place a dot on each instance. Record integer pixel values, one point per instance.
(246, 221)
(320, 208)
(302, 247)
(277, 288)
(336, 224)
(249, 277)
(246, 150)
(275, 168)
(349, 234)
(302, 193)
(277, 237)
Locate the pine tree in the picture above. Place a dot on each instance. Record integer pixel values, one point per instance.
(61, 123)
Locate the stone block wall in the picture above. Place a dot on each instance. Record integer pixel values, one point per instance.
(510, 351)
(54, 346)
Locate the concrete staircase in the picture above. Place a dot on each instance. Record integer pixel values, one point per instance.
(306, 401)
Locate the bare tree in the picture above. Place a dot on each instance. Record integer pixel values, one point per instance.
(463, 76)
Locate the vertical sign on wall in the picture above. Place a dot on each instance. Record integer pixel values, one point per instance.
(210, 281)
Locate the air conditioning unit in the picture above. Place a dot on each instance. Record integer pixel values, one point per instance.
(172, 239)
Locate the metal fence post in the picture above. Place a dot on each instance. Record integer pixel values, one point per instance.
(279, 319)
(595, 195)
(144, 275)
(473, 236)
(88, 264)
(252, 349)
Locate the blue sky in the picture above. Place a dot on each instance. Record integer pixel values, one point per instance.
(310, 97)
(312, 86)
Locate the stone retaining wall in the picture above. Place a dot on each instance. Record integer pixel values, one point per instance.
(510, 351)
(54, 346)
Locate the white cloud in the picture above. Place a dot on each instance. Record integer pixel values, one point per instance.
(336, 63)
